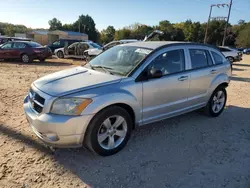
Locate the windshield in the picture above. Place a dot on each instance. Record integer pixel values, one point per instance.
(34, 44)
(95, 45)
(120, 59)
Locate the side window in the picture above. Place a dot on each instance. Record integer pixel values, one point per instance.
(7, 46)
(56, 43)
(169, 62)
(19, 45)
(199, 58)
(218, 59)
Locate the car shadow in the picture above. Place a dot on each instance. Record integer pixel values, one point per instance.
(242, 65)
(237, 69)
(241, 79)
(165, 154)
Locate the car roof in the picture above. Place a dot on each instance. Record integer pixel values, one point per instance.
(157, 44)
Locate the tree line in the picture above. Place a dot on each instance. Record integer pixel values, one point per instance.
(237, 34)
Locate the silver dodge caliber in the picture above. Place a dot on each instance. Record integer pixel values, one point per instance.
(98, 105)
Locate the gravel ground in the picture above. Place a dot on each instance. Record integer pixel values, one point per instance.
(187, 151)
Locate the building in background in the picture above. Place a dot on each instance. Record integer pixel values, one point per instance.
(58, 34)
(38, 36)
(21, 35)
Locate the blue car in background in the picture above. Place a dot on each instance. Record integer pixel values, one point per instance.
(246, 51)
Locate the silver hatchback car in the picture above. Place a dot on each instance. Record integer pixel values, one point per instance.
(98, 105)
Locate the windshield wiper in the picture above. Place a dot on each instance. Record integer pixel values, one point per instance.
(102, 67)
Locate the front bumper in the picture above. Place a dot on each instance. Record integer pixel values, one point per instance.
(238, 58)
(57, 130)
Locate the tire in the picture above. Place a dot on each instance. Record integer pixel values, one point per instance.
(98, 138)
(60, 54)
(42, 60)
(230, 59)
(210, 108)
(25, 58)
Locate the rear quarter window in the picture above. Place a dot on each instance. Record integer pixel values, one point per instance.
(218, 59)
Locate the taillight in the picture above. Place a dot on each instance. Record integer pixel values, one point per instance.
(37, 50)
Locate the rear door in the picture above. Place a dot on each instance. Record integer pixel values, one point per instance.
(17, 49)
(5, 52)
(203, 73)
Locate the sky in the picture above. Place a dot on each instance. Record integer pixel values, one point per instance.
(119, 13)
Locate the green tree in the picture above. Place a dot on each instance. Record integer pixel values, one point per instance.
(86, 24)
(123, 34)
(243, 39)
(107, 35)
(55, 24)
(141, 31)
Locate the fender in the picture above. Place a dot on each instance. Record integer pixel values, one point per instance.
(121, 97)
(218, 80)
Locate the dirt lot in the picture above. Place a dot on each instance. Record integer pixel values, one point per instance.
(187, 151)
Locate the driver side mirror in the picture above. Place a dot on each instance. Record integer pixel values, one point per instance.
(154, 73)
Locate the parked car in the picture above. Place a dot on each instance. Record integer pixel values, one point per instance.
(246, 51)
(79, 49)
(26, 51)
(230, 53)
(61, 43)
(99, 105)
(115, 43)
(7, 39)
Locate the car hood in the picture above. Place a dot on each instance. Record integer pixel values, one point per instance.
(73, 80)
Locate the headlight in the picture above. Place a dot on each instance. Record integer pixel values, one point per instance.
(69, 106)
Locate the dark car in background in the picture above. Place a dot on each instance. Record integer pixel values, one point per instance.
(24, 50)
(8, 39)
(61, 43)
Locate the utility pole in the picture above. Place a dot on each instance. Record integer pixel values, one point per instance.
(79, 26)
(219, 18)
(210, 12)
(225, 32)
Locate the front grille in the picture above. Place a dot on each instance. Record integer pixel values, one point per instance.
(36, 101)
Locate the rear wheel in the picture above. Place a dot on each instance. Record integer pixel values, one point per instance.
(109, 131)
(60, 54)
(217, 102)
(25, 58)
(42, 60)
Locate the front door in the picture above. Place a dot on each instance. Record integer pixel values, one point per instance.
(164, 97)
(5, 51)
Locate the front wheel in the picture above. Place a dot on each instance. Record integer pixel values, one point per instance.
(217, 102)
(60, 54)
(230, 59)
(109, 131)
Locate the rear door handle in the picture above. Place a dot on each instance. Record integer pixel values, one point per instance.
(213, 71)
(182, 78)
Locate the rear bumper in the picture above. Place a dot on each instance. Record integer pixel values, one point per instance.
(42, 56)
(57, 130)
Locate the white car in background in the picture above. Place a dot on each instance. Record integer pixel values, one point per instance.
(230, 53)
(79, 49)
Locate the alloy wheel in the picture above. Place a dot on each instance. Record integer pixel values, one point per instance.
(112, 132)
(218, 101)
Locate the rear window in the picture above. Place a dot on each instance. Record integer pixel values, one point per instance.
(34, 44)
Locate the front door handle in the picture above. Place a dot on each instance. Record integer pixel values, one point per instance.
(182, 78)
(213, 71)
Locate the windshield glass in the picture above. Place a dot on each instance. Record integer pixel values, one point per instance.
(120, 59)
(95, 45)
(34, 44)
